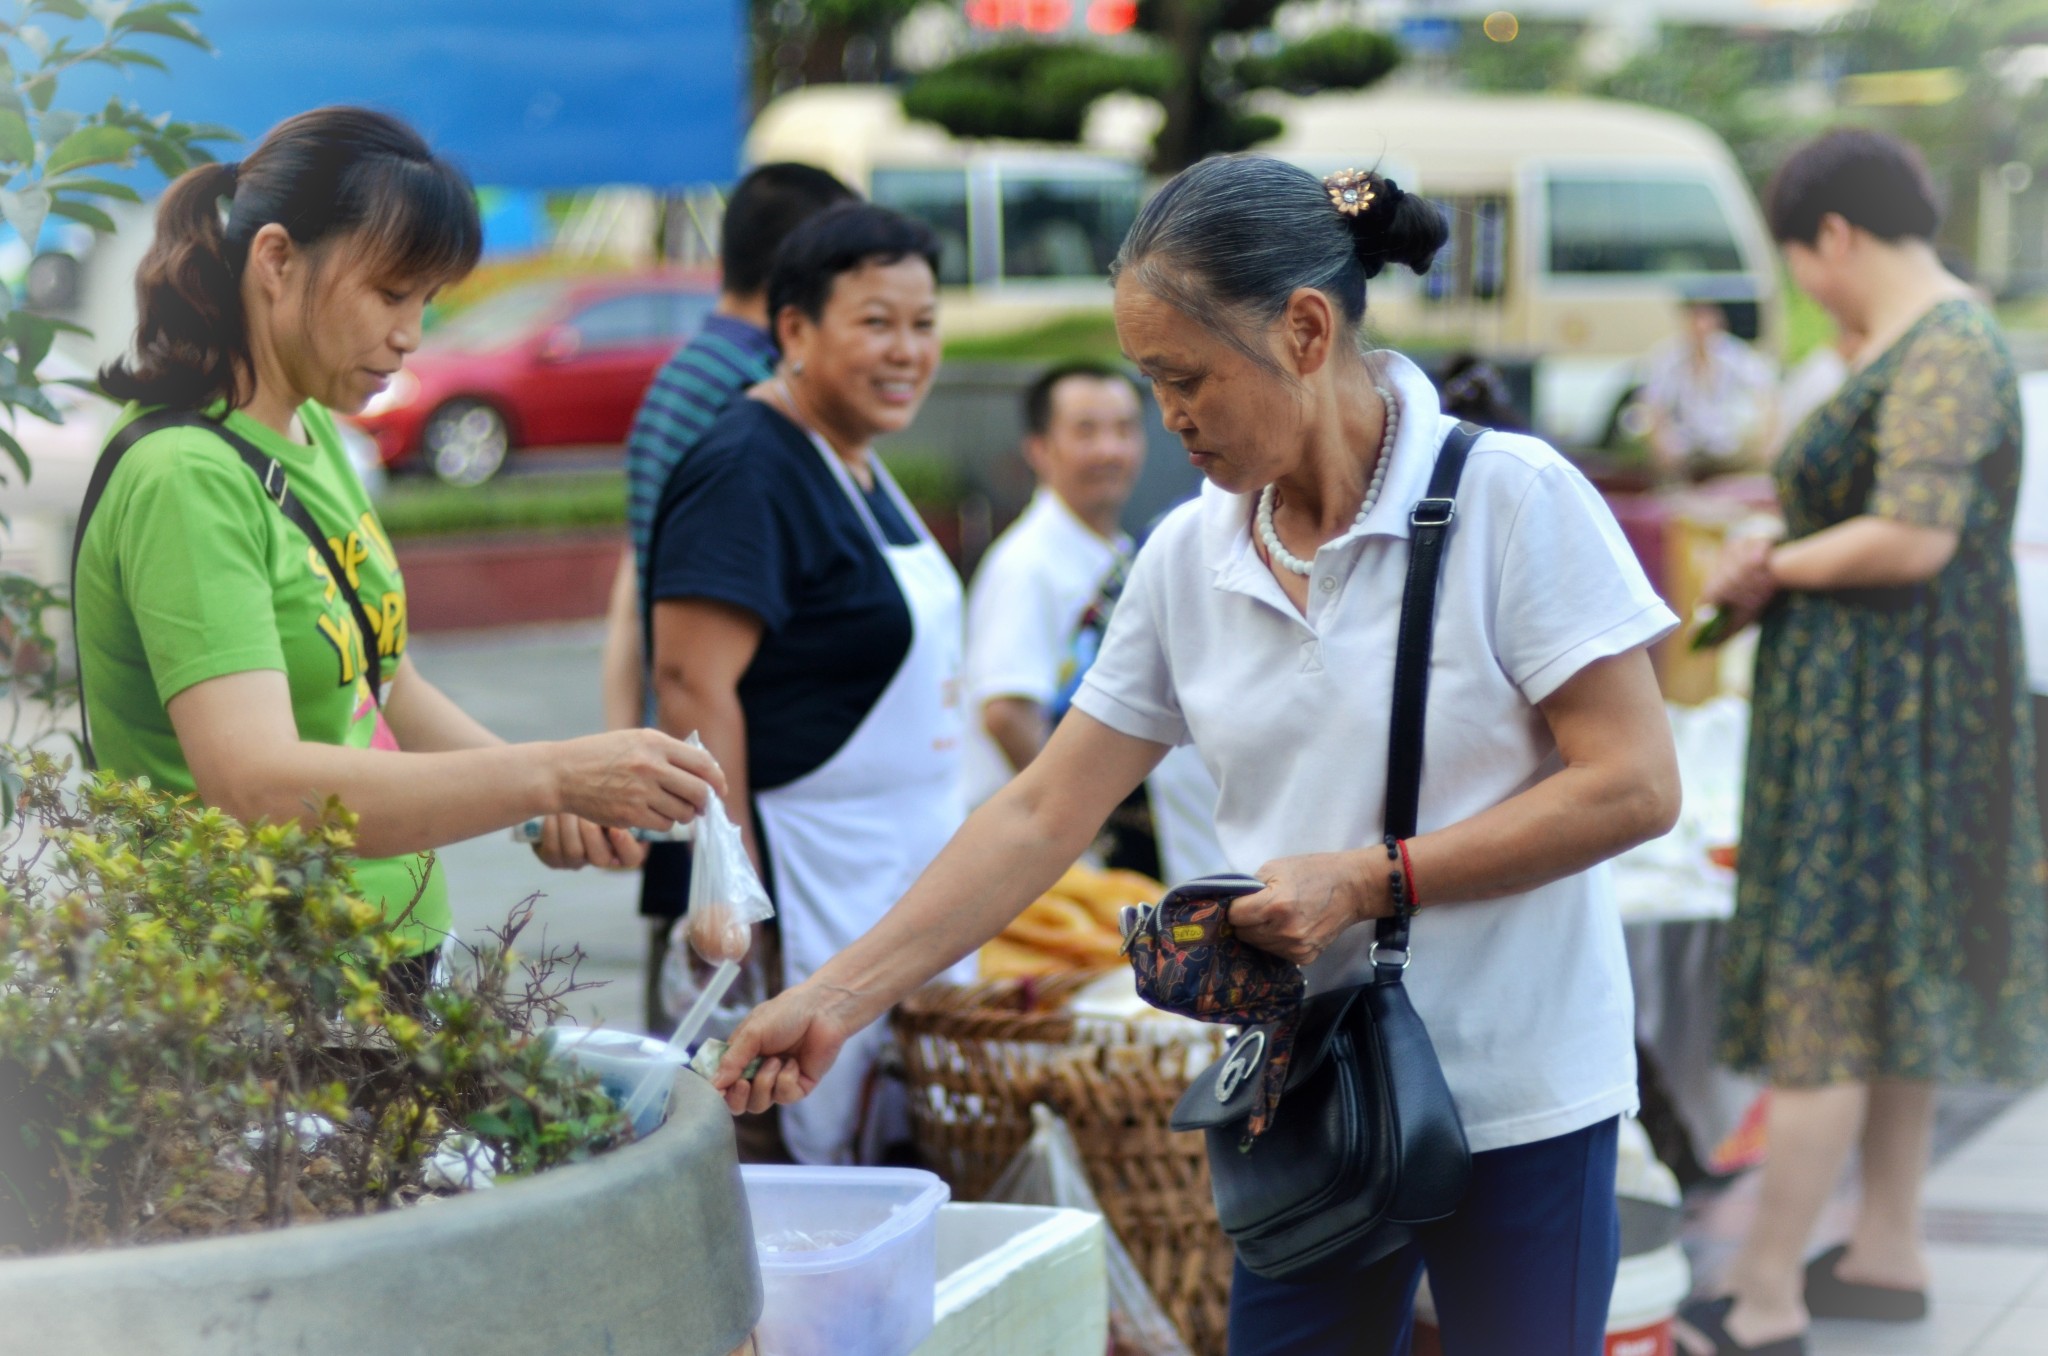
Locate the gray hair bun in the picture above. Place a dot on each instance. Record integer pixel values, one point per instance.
(1387, 224)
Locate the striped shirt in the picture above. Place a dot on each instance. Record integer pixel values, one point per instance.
(725, 358)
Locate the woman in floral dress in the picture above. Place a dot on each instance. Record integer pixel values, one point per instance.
(1891, 926)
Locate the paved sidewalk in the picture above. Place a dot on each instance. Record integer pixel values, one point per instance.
(1987, 1225)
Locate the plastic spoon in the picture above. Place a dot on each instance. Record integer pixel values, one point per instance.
(679, 1044)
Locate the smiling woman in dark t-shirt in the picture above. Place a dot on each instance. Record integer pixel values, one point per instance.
(806, 625)
(226, 648)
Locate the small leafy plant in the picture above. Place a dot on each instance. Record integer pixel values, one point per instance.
(195, 1035)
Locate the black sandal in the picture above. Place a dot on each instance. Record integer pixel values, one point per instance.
(1709, 1317)
(1829, 1296)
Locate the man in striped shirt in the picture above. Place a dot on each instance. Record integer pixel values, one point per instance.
(732, 352)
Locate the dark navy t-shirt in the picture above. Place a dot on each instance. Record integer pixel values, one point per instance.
(754, 517)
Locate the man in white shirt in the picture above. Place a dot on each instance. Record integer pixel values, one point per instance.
(1084, 443)
(1709, 397)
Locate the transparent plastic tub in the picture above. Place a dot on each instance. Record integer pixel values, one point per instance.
(849, 1258)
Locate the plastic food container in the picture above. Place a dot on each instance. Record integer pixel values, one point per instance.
(849, 1258)
(623, 1061)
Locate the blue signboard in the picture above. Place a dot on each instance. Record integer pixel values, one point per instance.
(522, 93)
(1429, 36)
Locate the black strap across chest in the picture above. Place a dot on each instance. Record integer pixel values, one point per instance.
(1429, 529)
(276, 487)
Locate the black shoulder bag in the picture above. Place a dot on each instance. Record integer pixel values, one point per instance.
(1366, 1141)
(275, 486)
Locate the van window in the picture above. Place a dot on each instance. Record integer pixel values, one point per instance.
(1609, 224)
(938, 198)
(1473, 264)
(1064, 226)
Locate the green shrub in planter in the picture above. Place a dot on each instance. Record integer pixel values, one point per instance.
(195, 1038)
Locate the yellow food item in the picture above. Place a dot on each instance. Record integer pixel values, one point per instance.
(1105, 893)
(1060, 925)
(1073, 926)
(1004, 959)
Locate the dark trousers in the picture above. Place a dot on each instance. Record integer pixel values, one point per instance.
(1525, 1268)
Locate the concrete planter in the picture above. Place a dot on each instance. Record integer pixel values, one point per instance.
(644, 1251)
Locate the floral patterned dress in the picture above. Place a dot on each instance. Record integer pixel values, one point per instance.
(1891, 917)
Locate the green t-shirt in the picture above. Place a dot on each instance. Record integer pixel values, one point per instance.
(189, 572)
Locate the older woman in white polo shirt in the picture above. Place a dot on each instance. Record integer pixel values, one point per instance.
(1259, 625)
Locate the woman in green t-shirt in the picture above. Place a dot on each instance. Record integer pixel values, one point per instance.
(220, 653)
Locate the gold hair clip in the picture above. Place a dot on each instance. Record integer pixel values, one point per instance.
(1351, 191)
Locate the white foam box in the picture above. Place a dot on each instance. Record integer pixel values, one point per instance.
(1019, 1280)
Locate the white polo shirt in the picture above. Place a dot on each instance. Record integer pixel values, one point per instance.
(1527, 998)
(1025, 603)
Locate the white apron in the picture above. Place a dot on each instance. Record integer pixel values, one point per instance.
(846, 840)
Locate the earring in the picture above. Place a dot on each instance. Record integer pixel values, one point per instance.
(796, 369)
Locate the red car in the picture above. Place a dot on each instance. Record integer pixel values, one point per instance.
(557, 363)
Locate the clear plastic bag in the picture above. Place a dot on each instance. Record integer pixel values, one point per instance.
(1048, 1171)
(726, 895)
(706, 981)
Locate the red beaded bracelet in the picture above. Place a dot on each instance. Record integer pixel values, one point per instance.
(1408, 870)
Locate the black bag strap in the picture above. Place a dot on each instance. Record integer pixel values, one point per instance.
(276, 488)
(1429, 527)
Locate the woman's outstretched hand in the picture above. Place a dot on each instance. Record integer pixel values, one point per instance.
(1307, 904)
(635, 779)
(796, 1036)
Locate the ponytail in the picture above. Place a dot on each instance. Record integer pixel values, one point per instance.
(191, 339)
(321, 175)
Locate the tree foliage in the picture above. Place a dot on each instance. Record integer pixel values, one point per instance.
(1041, 91)
(53, 163)
(1336, 58)
(799, 42)
(1033, 90)
(52, 159)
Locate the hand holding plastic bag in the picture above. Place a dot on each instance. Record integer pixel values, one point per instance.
(726, 895)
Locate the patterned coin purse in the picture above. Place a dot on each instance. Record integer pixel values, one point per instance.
(1189, 961)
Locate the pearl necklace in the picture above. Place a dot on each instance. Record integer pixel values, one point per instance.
(1292, 563)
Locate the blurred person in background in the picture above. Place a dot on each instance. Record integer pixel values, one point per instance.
(1083, 442)
(1707, 397)
(1891, 926)
(240, 613)
(731, 353)
(1474, 390)
(806, 624)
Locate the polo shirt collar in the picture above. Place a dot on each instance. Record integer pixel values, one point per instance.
(1226, 517)
(742, 334)
(1046, 503)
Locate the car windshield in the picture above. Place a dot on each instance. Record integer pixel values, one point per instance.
(497, 320)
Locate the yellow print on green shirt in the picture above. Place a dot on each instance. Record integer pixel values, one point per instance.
(386, 612)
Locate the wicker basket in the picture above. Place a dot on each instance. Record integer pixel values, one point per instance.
(978, 1056)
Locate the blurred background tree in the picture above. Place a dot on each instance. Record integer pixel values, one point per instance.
(809, 42)
(1198, 58)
